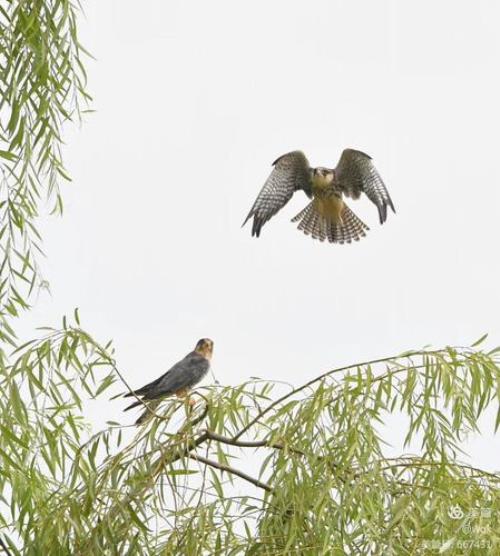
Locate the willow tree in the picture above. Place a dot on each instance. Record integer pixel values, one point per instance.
(257, 469)
(263, 468)
(42, 86)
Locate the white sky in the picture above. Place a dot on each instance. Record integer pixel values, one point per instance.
(195, 100)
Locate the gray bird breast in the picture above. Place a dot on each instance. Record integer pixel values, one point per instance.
(196, 371)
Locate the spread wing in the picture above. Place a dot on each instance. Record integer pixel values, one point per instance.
(291, 172)
(356, 174)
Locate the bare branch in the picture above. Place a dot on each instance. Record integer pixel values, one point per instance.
(232, 471)
(252, 444)
(5, 548)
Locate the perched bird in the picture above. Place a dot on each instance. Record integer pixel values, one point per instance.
(178, 380)
(327, 216)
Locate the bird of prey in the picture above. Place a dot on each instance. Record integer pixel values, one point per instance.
(179, 380)
(327, 216)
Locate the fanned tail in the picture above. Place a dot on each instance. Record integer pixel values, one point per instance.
(312, 223)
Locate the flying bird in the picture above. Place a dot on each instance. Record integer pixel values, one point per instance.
(327, 216)
(178, 380)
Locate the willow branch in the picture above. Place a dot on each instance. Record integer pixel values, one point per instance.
(231, 470)
(252, 443)
(325, 375)
(4, 547)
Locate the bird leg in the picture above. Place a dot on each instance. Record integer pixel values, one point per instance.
(189, 402)
(182, 393)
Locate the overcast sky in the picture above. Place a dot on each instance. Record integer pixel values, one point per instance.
(195, 100)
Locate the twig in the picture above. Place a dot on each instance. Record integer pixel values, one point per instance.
(231, 470)
(191, 424)
(419, 462)
(252, 444)
(5, 549)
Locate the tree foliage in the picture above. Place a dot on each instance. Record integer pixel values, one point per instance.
(261, 468)
(42, 85)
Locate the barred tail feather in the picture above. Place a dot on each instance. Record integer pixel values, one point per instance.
(312, 223)
(309, 221)
(353, 227)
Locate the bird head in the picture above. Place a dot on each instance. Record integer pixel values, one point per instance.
(325, 173)
(205, 347)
